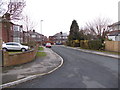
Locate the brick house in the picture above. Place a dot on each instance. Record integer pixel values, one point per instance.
(17, 33)
(0, 34)
(10, 32)
(14, 33)
(33, 36)
(7, 29)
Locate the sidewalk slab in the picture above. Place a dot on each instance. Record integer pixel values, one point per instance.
(95, 52)
(40, 66)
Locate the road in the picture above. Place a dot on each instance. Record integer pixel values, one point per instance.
(80, 70)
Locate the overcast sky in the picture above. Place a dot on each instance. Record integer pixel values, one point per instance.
(57, 15)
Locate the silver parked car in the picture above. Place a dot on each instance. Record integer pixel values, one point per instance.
(14, 46)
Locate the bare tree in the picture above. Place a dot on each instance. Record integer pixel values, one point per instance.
(98, 27)
(2, 9)
(14, 8)
(28, 25)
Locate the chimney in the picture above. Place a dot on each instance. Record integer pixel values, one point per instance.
(34, 31)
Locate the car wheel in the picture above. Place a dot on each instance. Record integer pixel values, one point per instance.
(23, 49)
(4, 49)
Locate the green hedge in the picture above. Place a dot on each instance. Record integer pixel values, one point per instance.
(73, 43)
(91, 44)
(95, 44)
(84, 44)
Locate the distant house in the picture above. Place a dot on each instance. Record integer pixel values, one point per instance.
(114, 35)
(114, 26)
(35, 36)
(59, 38)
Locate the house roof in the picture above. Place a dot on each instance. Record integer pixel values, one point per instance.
(114, 24)
(114, 33)
(59, 34)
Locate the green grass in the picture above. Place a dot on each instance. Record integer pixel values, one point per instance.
(116, 53)
(41, 48)
(15, 52)
(40, 54)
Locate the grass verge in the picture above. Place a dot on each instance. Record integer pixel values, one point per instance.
(41, 48)
(15, 52)
(40, 54)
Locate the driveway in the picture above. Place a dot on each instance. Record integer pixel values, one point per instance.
(80, 70)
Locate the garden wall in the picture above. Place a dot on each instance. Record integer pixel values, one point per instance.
(19, 58)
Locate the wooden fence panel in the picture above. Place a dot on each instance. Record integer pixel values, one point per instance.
(112, 46)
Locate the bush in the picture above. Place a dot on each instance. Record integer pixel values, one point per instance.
(68, 43)
(91, 44)
(84, 44)
(76, 43)
(95, 44)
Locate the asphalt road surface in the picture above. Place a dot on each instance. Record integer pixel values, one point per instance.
(80, 70)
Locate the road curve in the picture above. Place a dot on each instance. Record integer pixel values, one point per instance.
(80, 70)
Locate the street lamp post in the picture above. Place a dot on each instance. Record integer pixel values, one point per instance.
(41, 32)
(41, 26)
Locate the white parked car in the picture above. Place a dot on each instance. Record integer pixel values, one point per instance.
(14, 46)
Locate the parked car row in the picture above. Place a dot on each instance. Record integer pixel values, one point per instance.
(17, 46)
(14, 46)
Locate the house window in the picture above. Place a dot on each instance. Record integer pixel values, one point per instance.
(33, 36)
(16, 28)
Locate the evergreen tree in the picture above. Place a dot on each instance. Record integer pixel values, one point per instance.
(74, 31)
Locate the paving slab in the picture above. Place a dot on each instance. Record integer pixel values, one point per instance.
(39, 66)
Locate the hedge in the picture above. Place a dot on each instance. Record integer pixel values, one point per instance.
(91, 44)
(73, 43)
(84, 44)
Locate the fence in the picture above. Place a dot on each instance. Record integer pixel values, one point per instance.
(19, 58)
(112, 46)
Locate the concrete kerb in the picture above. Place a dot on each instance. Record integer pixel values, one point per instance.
(98, 53)
(32, 76)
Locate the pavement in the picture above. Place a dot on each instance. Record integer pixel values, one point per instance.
(96, 52)
(80, 70)
(40, 66)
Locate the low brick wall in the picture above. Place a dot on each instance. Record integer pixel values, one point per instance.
(19, 58)
(112, 46)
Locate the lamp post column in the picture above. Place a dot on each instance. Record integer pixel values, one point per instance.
(41, 33)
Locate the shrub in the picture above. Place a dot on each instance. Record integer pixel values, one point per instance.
(84, 44)
(91, 44)
(76, 43)
(95, 44)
